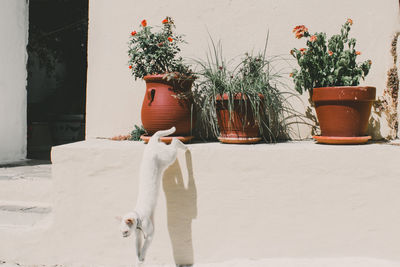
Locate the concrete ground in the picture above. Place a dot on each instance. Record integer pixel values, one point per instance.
(362, 262)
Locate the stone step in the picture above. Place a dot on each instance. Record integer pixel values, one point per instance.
(22, 214)
(26, 169)
(26, 181)
(26, 190)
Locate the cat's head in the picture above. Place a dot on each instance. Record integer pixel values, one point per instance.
(128, 222)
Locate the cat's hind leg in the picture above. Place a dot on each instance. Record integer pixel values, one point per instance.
(169, 152)
(178, 144)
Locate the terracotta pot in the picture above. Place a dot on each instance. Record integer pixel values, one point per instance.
(162, 108)
(237, 126)
(343, 111)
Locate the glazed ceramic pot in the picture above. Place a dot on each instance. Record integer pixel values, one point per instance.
(167, 104)
(343, 111)
(237, 126)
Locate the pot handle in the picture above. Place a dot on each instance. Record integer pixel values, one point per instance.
(150, 94)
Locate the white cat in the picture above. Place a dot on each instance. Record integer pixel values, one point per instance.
(157, 157)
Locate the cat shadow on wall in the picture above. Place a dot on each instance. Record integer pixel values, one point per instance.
(181, 210)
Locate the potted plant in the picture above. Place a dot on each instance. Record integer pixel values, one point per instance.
(329, 71)
(242, 105)
(153, 56)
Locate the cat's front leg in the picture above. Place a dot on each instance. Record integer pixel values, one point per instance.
(138, 263)
(146, 245)
(138, 243)
(148, 233)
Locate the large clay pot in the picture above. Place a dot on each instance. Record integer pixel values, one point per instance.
(239, 125)
(343, 111)
(167, 104)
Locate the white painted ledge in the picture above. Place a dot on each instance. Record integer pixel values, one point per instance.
(224, 202)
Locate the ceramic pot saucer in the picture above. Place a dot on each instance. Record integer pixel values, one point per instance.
(168, 139)
(338, 140)
(237, 140)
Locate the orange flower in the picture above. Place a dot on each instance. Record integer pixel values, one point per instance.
(165, 21)
(330, 52)
(358, 53)
(144, 23)
(369, 62)
(133, 33)
(299, 27)
(350, 21)
(299, 31)
(313, 38)
(130, 66)
(170, 39)
(291, 75)
(303, 50)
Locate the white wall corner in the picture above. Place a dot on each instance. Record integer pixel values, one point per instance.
(13, 100)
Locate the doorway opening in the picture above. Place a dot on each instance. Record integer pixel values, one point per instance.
(57, 65)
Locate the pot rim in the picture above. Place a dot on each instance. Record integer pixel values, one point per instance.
(157, 77)
(238, 96)
(345, 87)
(344, 93)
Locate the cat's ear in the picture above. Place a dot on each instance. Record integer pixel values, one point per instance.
(130, 221)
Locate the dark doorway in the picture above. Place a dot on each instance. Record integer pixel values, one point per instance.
(57, 64)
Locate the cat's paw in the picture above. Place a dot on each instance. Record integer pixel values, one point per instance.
(139, 262)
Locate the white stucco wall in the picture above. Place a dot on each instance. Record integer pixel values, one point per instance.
(114, 98)
(13, 57)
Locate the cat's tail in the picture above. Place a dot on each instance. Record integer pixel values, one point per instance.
(156, 137)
